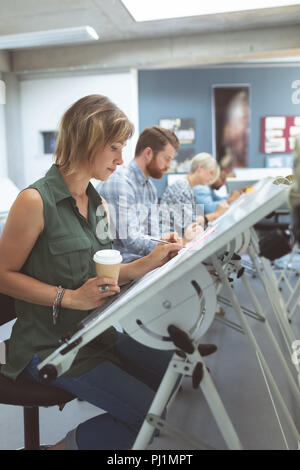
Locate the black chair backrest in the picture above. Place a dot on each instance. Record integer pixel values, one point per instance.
(7, 309)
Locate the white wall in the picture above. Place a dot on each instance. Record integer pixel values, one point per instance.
(43, 102)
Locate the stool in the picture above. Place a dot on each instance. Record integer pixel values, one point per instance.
(26, 393)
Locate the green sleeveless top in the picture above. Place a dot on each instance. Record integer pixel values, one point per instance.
(62, 255)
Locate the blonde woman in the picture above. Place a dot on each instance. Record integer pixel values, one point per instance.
(46, 254)
(178, 202)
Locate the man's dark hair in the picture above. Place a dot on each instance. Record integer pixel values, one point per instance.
(156, 138)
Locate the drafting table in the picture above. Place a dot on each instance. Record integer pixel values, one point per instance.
(242, 215)
(151, 304)
(235, 184)
(250, 176)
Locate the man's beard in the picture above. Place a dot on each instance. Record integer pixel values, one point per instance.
(152, 169)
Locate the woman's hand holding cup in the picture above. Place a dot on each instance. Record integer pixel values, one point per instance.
(91, 294)
(95, 291)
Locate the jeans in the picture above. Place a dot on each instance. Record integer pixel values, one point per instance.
(125, 395)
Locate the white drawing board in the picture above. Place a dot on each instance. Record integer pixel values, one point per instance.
(242, 214)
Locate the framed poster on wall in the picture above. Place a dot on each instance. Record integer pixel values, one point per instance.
(278, 133)
(181, 163)
(231, 124)
(184, 128)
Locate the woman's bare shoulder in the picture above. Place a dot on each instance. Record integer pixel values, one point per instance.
(30, 195)
(29, 198)
(28, 206)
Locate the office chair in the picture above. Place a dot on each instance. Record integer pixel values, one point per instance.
(26, 393)
(274, 235)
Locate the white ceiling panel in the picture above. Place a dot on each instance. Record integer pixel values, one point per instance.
(113, 22)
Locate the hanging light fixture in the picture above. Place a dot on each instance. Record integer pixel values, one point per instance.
(49, 38)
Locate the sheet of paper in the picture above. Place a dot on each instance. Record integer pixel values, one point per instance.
(275, 122)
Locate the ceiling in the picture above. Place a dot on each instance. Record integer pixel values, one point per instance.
(113, 22)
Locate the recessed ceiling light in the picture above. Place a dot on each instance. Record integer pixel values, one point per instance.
(48, 38)
(146, 10)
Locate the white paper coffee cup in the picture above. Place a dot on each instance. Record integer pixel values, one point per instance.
(108, 263)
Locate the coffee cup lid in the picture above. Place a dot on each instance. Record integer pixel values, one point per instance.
(107, 257)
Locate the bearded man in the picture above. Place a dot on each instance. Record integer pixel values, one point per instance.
(132, 196)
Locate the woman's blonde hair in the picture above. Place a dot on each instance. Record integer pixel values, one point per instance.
(206, 161)
(87, 126)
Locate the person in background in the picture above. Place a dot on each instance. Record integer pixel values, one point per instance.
(226, 164)
(178, 203)
(46, 249)
(206, 194)
(132, 196)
